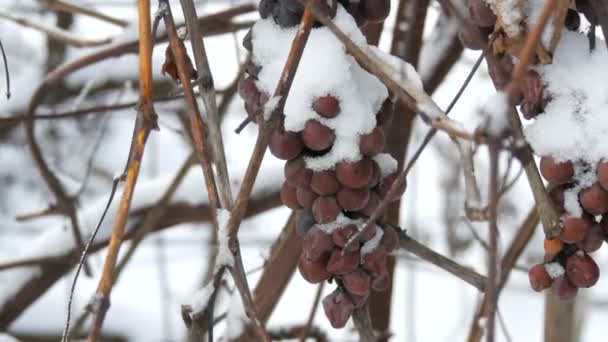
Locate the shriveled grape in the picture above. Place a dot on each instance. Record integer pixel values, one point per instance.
(539, 278)
(381, 282)
(372, 203)
(306, 197)
(338, 307)
(305, 221)
(594, 199)
(375, 261)
(387, 182)
(317, 244)
(296, 173)
(357, 282)
(581, 270)
(313, 271)
(575, 228)
(342, 263)
(593, 240)
(341, 236)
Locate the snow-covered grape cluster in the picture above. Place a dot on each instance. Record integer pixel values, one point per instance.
(331, 136)
(568, 124)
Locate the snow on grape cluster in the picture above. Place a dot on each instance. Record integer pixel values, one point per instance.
(568, 132)
(332, 138)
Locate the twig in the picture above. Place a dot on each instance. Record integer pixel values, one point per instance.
(6, 73)
(66, 6)
(491, 285)
(55, 33)
(145, 122)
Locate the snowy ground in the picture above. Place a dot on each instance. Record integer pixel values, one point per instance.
(429, 305)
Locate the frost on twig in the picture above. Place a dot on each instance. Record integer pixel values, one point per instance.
(200, 299)
(224, 255)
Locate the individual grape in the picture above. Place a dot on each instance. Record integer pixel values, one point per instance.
(372, 143)
(293, 5)
(305, 221)
(500, 72)
(481, 14)
(375, 10)
(390, 239)
(342, 263)
(355, 175)
(317, 136)
(594, 199)
(530, 110)
(575, 228)
(563, 289)
(338, 307)
(539, 278)
(357, 282)
(325, 209)
(288, 196)
(313, 271)
(553, 247)
(352, 199)
(387, 182)
(306, 197)
(317, 244)
(384, 117)
(324, 183)
(556, 172)
(296, 173)
(381, 282)
(581, 270)
(285, 145)
(556, 194)
(375, 261)
(468, 39)
(372, 203)
(593, 240)
(327, 106)
(602, 174)
(341, 236)
(573, 20)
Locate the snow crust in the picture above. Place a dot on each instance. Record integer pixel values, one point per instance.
(496, 108)
(325, 69)
(555, 270)
(236, 318)
(387, 164)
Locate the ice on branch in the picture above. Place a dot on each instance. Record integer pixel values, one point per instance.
(325, 69)
(496, 109)
(555, 270)
(200, 299)
(224, 255)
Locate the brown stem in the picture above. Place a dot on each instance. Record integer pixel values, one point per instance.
(491, 285)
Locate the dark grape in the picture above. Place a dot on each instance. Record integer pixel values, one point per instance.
(481, 14)
(355, 11)
(289, 197)
(325, 209)
(381, 282)
(575, 228)
(355, 175)
(306, 197)
(352, 199)
(342, 263)
(375, 10)
(573, 20)
(532, 88)
(305, 221)
(317, 244)
(296, 173)
(284, 17)
(357, 282)
(602, 174)
(467, 37)
(338, 307)
(372, 203)
(375, 261)
(285, 145)
(313, 271)
(372, 143)
(530, 110)
(594, 199)
(384, 117)
(556, 172)
(593, 240)
(581, 270)
(317, 136)
(324, 183)
(539, 278)
(326, 106)
(563, 289)
(341, 236)
(387, 182)
(376, 176)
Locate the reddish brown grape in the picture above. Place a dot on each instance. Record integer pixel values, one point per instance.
(384, 117)
(352, 199)
(317, 136)
(375, 261)
(313, 271)
(602, 174)
(306, 197)
(563, 289)
(375, 10)
(372, 203)
(390, 239)
(372, 143)
(532, 87)
(317, 244)
(357, 282)
(387, 182)
(594, 199)
(355, 175)
(342, 235)
(325, 209)
(556, 194)
(285, 145)
(381, 282)
(342, 263)
(581, 270)
(288, 196)
(481, 14)
(324, 183)
(338, 307)
(575, 228)
(326, 106)
(539, 278)
(296, 173)
(593, 240)
(305, 221)
(468, 39)
(556, 172)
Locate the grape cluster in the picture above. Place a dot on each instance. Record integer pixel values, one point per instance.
(333, 203)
